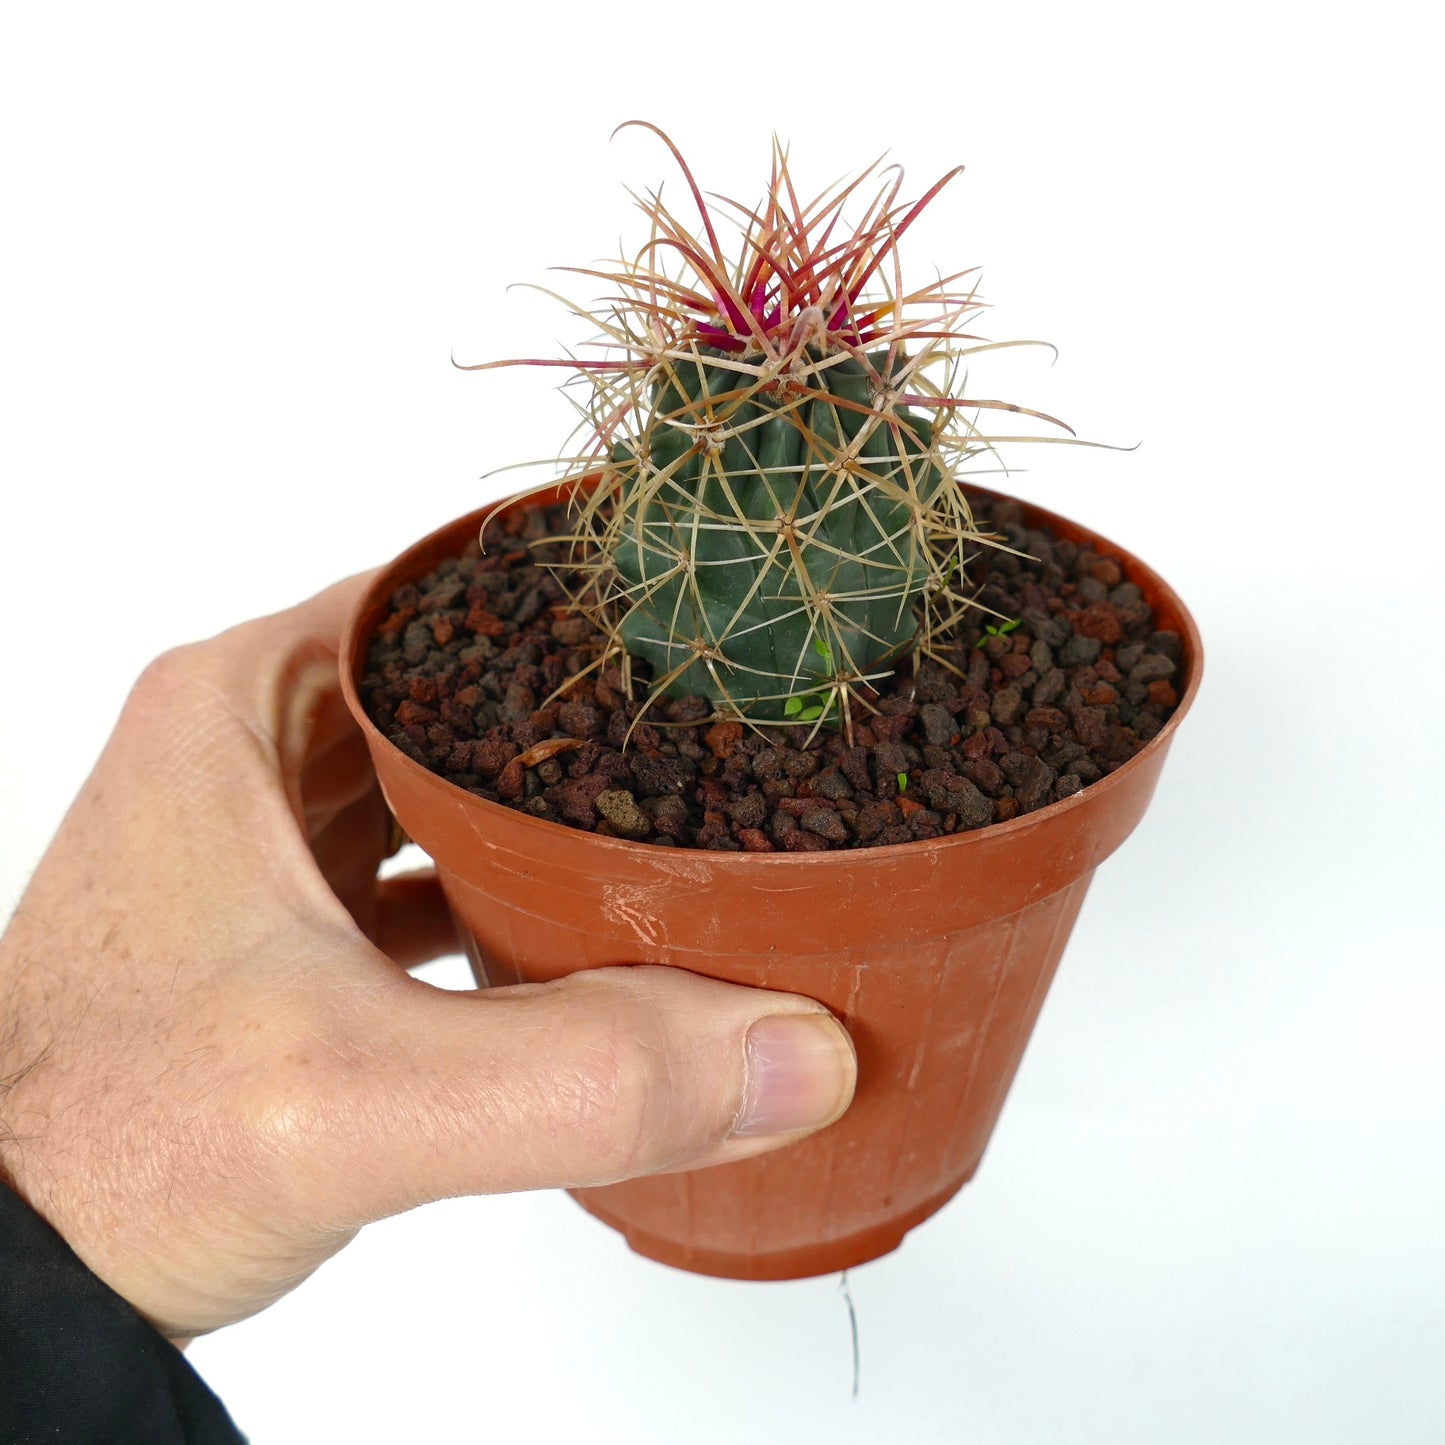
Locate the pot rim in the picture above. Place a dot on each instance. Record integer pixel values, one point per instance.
(421, 555)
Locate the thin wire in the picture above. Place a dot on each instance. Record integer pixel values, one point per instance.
(852, 1325)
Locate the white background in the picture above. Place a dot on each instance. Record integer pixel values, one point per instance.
(240, 245)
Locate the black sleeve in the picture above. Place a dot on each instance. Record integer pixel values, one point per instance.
(78, 1365)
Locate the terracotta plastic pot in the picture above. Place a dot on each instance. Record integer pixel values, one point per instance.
(935, 955)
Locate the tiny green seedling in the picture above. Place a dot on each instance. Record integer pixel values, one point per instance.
(810, 706)
(807, 708)
(903, 782)
(990, 630)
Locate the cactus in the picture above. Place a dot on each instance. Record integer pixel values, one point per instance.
(773, 511)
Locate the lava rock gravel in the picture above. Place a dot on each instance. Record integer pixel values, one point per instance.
(469, 674)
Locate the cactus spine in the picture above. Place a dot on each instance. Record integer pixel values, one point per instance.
(774, 510)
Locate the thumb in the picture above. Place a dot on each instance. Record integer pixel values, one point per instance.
(601, 1076)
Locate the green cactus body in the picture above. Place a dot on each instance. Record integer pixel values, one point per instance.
(769, 539)
(770, 502)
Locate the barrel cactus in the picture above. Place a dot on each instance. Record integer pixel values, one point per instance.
(770, 510)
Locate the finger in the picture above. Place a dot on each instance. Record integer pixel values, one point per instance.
(337, 768)
(413, 923)
(265, 699)
(405, 916)
(322, 617)
(347, 852)
(601, 1076)
(279, 673)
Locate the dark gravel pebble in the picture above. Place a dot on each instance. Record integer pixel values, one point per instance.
(1151, 667)
(937, 723)
(1080, 650)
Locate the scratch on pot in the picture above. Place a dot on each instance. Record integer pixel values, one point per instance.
(682, 869)
(479, 834)
(626, 904)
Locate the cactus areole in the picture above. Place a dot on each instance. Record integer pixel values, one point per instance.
(773, 512)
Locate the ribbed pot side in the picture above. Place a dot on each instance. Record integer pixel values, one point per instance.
(935, 955)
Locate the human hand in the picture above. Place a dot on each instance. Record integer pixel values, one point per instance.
(214, 1068)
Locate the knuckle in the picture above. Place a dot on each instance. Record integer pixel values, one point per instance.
(168, 685)
(618, 1100)
(174, 668)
